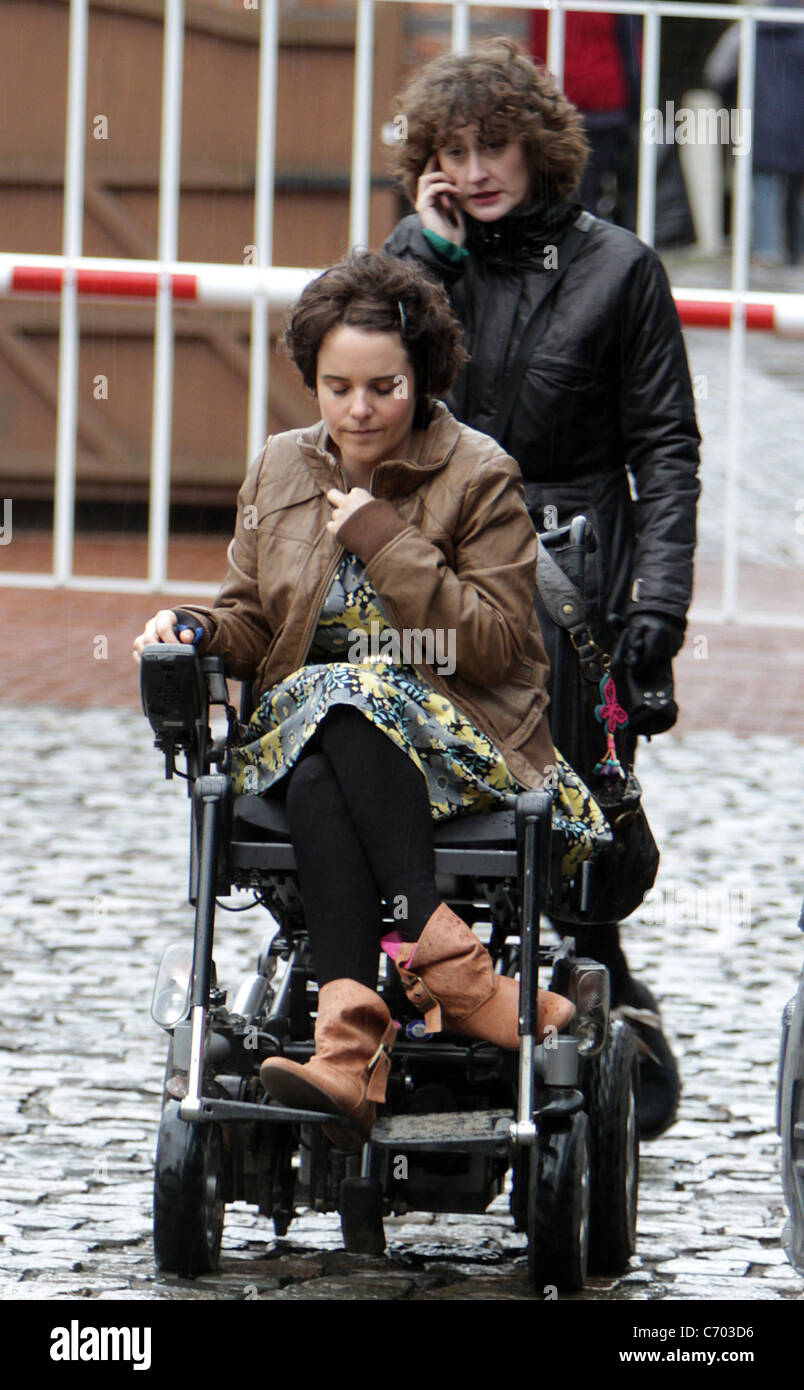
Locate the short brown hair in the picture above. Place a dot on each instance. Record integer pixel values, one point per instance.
(371, 290)
(509, 97)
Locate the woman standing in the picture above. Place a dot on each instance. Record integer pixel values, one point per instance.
(577, 367)
(386, 520)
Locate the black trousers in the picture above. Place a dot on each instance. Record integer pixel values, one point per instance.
(360, 819)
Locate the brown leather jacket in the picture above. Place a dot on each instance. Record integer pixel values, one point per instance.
(447, 545)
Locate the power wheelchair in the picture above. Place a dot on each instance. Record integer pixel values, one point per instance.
(559, 1117)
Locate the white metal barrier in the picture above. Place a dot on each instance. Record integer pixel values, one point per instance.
(264, 286)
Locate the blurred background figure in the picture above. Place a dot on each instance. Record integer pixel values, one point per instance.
(778, 132)
(602, 70)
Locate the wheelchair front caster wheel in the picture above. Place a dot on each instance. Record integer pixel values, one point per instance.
(188, 1196)
(361, 1216)
(558, 1207)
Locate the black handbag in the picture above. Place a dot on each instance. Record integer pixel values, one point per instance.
(612, 884)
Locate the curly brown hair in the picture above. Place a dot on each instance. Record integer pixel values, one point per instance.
(509, 97)
(371, 290)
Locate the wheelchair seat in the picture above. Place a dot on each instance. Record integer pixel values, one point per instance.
(481, 842)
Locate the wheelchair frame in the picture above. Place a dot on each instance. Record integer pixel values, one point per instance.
(562, 1114)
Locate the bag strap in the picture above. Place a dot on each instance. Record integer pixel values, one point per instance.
(567, 250)
(566, 606)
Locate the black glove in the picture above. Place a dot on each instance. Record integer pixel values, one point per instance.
(643, 671)
(651, 640)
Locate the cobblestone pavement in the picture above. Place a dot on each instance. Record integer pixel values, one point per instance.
(94, 862)
(768, 525)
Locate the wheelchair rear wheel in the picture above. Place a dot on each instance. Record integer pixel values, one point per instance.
(790, 1124)
(612, 1100)
(558, 1207)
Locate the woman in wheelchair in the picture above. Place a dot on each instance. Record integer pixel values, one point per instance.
(381, 583)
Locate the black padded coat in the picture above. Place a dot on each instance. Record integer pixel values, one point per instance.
(606, 393)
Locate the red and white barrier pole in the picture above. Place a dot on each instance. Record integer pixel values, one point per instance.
(764, 313)
(234, 286)
(224, 286)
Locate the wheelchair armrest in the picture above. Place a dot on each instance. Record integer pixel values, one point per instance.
(214, 673)
(247, 705)
(535, 808)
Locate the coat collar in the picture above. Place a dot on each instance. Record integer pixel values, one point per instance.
(431, 449)
(523, 235)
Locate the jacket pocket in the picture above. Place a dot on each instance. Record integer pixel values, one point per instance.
(568, 376)
(283, 557)
(299, 515)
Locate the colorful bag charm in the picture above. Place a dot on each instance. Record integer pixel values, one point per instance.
(612, 716)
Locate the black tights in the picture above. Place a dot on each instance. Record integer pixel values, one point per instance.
(360, 819)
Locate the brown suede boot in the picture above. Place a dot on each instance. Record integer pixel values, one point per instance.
(354, 1035)
(448, 974)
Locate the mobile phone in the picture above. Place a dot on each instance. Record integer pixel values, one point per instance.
(448, 209)
(446, 203)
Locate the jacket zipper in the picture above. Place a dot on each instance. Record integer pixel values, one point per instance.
(317, 609)
(323, 589)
